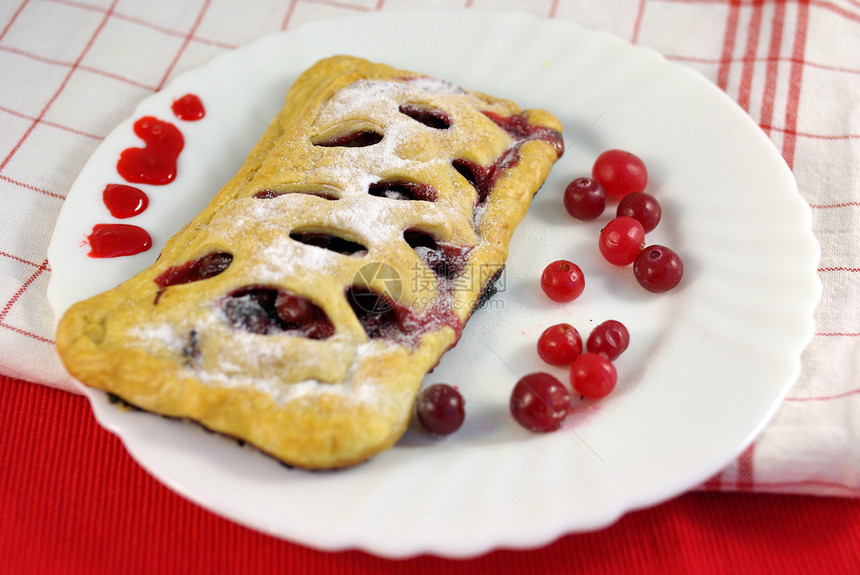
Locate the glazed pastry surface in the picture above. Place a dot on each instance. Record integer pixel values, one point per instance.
(300, 311)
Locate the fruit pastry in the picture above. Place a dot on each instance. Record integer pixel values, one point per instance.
(300, 311)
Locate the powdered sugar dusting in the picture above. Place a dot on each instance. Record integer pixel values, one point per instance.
(234, 374)
(405, 148)
(159, 335)
(435, 86)
(284, 257)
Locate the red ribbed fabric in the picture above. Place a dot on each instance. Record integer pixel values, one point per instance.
(74, 502)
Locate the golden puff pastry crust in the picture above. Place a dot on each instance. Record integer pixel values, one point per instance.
(302, 308)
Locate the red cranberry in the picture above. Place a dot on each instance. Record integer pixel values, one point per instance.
(540, 402)
(658, 269)
(610, 338)
(643, 207)
(562, 281)
(593, 375)
(584, 199)
(559, 344)
(440, 409)
(621, 240)
(620, 173)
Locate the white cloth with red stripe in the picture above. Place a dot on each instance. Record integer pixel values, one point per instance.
(72, 70)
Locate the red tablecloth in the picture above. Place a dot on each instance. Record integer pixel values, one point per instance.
(73, 501)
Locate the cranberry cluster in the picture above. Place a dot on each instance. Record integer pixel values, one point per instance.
(540, 402)
(622, 176)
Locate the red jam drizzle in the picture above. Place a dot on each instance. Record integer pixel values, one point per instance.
(115, 240)
(155, 163)
(188, 108)
(124, 201)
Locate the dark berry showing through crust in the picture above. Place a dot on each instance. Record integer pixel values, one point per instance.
(430, 117)
(201, 268)
(352, 140)
(264, 310)
(376, 313)
(446, 260)
(330, 242)
(403, 190)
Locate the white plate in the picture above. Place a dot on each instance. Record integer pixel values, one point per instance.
(707, 365)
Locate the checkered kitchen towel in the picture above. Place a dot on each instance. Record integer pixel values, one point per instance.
(70, 70)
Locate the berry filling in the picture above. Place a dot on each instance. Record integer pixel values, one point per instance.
(430, 117)
(360, 139)
(404, 190)
(266, 311)
(115, 240)
(521, 130)
(383, 318)
(483, 179)
(380, 317)
(446, 260)
(330, 242)
(202, 268)
(271, 194)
